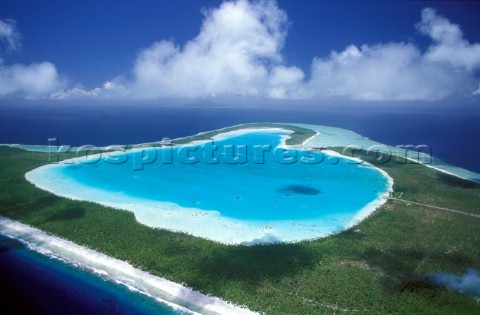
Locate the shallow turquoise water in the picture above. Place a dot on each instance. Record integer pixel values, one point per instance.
(269, 186)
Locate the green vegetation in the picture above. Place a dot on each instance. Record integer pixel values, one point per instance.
(371, 268)
(300, 134)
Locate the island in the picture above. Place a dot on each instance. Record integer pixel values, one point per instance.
(424, 222)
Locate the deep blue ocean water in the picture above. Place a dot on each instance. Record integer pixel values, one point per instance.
(32, 283)
(36, 283)
(450, 130)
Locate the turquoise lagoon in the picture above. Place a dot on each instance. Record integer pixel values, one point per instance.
(242, 187)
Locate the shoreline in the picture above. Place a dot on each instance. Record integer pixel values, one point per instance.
(210, 303)
(475, 177)
(394, 151)
(367, 211)
(360, 216)
(209, 224)
(100, 272)
(444, 171)
(173, 294)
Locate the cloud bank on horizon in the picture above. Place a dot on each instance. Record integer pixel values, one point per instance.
(238, 52)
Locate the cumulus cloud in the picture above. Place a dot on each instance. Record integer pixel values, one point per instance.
(468, 283)
(448, 46)
(34, 80)
(393, 71)
(400, 71)
(237, 52)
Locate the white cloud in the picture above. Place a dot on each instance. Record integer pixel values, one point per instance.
(285, 82)
(399, 71)
(9, 34)
(34, 80)
(393, 71)
(448, 46)
(468, 283)
(73, 93)
(109, 89)
(237, 52)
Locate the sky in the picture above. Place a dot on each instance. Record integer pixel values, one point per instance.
(265, 50)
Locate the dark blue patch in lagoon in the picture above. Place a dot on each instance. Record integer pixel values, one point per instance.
(300, 189)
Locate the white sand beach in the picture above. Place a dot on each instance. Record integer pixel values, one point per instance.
(207, 223)
(175, 295)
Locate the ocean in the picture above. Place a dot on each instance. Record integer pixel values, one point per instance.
(450, 130)
(34, 282)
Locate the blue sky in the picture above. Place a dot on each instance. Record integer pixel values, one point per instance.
(206, 49)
